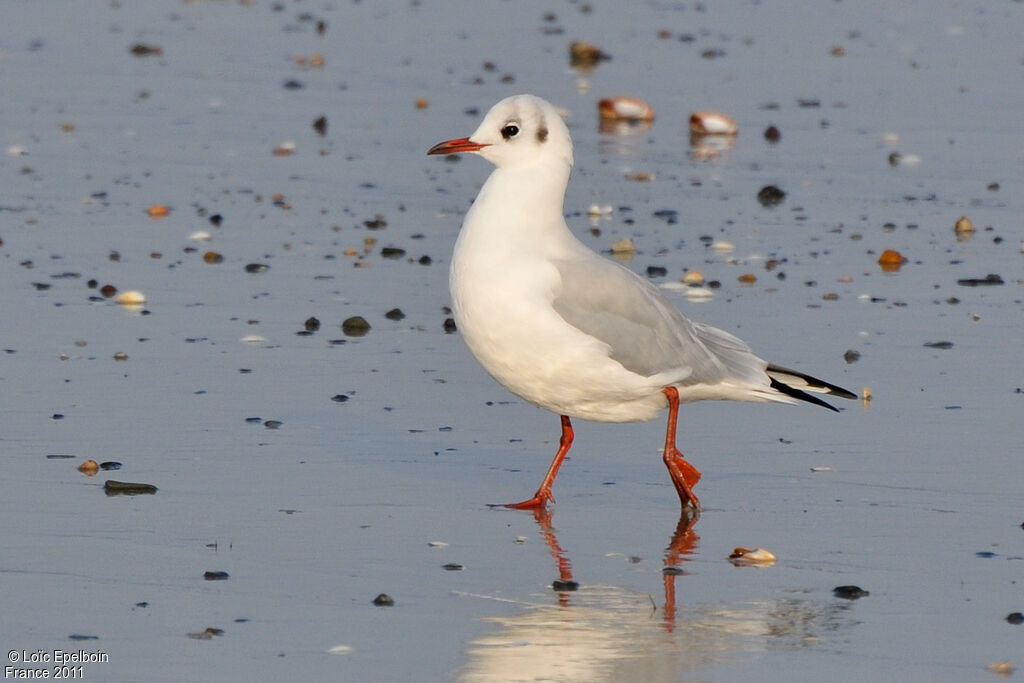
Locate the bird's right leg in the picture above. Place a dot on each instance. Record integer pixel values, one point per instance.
(684, 475)
(543, 494)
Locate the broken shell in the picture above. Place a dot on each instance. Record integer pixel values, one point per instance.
(201, 236)
(747, 278)
(158, 211)
(1003, 668)
(585, 56)
(624, 246)
(963, 228)
(712, 123)
(131, 298)
(865, 396)
(693, 277)
(756, 556)
(286, 148)
(596, 210)
(625, 109)
(699, 293)
(89, 467)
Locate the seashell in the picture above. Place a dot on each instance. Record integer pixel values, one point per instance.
(891, 260)
(131, 298)
(624, 246)
(693, 277)
(756, 556)
(623, 108)
(712, 123)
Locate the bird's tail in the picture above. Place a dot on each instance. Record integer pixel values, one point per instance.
(797, 385)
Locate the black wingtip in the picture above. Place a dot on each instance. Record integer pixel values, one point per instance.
(818, 384)
(802, 395)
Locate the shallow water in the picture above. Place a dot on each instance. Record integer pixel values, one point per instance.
(313, 519)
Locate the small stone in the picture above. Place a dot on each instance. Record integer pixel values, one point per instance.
(311, 324)
(131, 298)
(1015, 618)
(564, 586)
(449, 326)
(213, 257)
(770, 195)
(384, 600)
(320, 126)
(712, 123)
(747, 278)
(850, 592)
(891, 260)
(355, 326)
(256, 268)
(851, 356)
(453, 567)
(89, 467)
(339, 398)
(215, 576)
(693, 277)
(394, 314)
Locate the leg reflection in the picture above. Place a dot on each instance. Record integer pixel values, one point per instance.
(564, 584)
(682, 545)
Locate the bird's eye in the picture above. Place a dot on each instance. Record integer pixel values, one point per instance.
(510, 131)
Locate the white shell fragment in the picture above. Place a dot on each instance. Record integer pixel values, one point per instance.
(712, 123)
(131, 298)
(625, 109)
(437, 544)
(756, 556)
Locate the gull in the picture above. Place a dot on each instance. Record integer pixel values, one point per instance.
(571, 331)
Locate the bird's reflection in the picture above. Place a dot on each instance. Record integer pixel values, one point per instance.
(598, 632)
(682, 545)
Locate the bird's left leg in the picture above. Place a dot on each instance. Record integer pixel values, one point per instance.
(543, 494)
(684, 475)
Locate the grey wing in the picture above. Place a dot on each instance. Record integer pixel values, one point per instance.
(644, 331)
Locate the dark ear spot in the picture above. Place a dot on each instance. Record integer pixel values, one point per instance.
(542, 133)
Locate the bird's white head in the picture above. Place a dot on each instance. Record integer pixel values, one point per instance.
(518, 131)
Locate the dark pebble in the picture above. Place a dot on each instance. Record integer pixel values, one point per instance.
(58, 456)
(394, 314)
(79, 636)
(254, 420)
(564, 586)
(851, 356)
(672, 571)
(670, 216)
(770, 195)
(293, 84)
(356, 326)
(215, 576)
(425, 260)
(772, 134)
(990, 279)
(110, 465)
(452, 567)
(939, 345)
(1015, 618)
(656, 271)
(384, 600)
(339, 398)
(320, 126)
(986, 554)
(449, 325)
(144, 50)
(127, 488)
(392, 252)
(256, 268)
(377, 223)
(850, 592)
(272, 424)
(311, 324)
(216, 219)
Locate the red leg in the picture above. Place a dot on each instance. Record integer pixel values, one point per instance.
(543, 494)
(684, 475)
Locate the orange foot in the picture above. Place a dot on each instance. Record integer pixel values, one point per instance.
(685, 476)
(538, 502)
